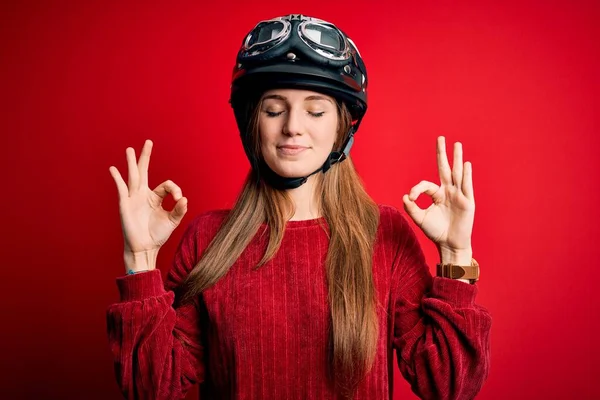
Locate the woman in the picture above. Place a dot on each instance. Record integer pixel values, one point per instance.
(306, 286)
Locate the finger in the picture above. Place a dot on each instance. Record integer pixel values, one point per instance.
(457, 165)
(413, 210)
(168, 187)
(121, 185)
(426, 187)
(144, 162)
(176, 215)
(442, 160)
(467, 183)
(134, 177)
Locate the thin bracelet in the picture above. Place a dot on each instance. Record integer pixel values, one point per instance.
(132, 272)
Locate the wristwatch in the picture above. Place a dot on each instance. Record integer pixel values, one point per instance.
(454, 271)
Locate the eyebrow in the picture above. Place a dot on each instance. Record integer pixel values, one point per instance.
(312, 97)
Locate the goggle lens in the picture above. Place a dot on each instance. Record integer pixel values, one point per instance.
(325, 36)
(265, 32)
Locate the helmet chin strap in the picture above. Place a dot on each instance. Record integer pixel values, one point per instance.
(282, 183)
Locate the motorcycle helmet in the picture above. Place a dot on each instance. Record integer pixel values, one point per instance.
(301, 52)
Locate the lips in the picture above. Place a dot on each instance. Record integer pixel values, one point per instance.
(290, 149)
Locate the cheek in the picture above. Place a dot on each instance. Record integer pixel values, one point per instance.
(267, 132)
(268, 129)
(328, 134)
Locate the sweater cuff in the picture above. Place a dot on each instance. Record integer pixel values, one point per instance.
(454, 291)
(140, 286)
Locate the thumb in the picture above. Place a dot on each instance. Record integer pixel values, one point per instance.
(413, 210)
(179, 210)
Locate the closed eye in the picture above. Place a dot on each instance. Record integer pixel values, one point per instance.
(273, 114)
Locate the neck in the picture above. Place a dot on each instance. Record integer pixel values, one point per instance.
(306, 200)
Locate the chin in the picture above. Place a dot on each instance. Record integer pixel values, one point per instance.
(291, 169)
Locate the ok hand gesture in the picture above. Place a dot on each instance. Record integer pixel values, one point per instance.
(146, 225)
(449, 220)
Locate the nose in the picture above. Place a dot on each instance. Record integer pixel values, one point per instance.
(293, 124)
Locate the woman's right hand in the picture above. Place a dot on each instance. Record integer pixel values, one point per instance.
(146, 225)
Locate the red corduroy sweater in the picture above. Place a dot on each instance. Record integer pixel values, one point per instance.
(263, 334)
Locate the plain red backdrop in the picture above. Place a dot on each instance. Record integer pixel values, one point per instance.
(516, 83)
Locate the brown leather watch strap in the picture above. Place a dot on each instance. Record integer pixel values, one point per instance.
(453, 271)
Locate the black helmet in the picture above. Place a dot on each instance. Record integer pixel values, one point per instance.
(297, 51)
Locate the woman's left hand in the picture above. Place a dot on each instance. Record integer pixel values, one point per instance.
(449, 220)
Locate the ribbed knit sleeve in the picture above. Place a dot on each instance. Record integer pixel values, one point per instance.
(441, 336)
(156, 348)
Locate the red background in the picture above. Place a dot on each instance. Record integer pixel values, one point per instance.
(516, 83)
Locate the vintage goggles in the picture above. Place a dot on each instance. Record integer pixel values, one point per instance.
(313, 37)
